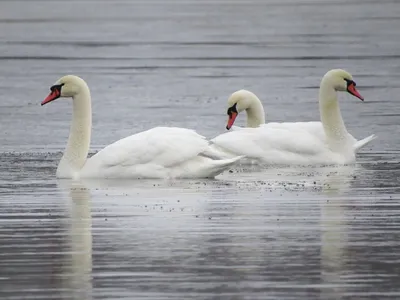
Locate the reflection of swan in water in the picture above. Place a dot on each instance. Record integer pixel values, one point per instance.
(79, 263)
(322, 207)
(334, 236)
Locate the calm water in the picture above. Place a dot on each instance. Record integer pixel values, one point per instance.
(279, 233)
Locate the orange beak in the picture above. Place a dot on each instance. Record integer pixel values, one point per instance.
(352, 90)
(51, 97)
(231, 120)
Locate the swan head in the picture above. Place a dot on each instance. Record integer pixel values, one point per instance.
(342, 81)
(66, 86)
(237, 102)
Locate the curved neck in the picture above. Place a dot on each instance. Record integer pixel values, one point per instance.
(77, 149)
(255, 113)
(331, 117)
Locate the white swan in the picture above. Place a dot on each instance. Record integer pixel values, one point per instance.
(161, 152)
(295, 143)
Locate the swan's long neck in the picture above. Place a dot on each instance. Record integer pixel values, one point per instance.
(255, 113)
(331, 117)
(77, 149)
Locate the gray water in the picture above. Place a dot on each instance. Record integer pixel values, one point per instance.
(253, 233)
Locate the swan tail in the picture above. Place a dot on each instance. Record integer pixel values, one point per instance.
(361, 143)
(216, 167)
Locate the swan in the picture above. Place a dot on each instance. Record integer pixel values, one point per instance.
(293, 143)
(160, 152)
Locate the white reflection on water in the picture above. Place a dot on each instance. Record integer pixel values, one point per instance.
(185, 232)
(78, 275)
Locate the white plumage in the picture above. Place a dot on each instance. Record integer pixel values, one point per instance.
(161, 152)
(293, 143)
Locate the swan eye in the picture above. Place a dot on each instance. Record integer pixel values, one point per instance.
(232, 109)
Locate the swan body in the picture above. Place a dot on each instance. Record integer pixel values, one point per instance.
(161, 152)
(293, 143)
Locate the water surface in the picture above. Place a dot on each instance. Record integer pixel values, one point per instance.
(275, 233)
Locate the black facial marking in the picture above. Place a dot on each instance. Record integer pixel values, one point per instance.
(350, 82)
(232, 109)
(57, 87)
